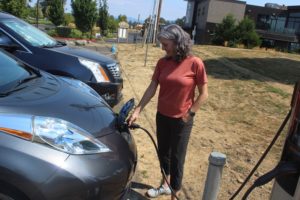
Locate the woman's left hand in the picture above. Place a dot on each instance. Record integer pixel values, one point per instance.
(186, 117)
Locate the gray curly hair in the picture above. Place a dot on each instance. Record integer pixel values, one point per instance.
(181, 38)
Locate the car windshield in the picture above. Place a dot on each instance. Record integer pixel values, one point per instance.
(11, 72)
(31, 34)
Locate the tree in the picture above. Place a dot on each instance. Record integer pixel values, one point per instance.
(68, 19)
(103, 17)
(122, 18)
(225, 31)
(85, 14)
(15, 7)
(45, 4)
(33, 12)
(162, 21)
(112, 24)
(180, 21)
(246, 34)
(56, 12)
(146, 25)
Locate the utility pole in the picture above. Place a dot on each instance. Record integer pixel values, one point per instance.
(156, 26)
(153, 22)
(157, 21)
(137, 31)
(37, 13)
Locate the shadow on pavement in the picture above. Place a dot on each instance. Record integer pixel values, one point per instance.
(135, 195)
(136, 185)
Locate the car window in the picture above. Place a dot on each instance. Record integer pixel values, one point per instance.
(10, 72)
(30, 33)
(5, 40)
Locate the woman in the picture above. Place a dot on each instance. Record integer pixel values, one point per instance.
(178, 74)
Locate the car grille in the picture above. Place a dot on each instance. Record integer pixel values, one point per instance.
(114, 69)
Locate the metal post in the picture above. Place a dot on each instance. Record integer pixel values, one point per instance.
(136, 34)
(154, 20)
(216, 163)
(37, 13)
(156, 27)
(193, 35)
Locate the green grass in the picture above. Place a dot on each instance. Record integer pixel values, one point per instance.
(277, 91)
(144, 174)
(41, 21)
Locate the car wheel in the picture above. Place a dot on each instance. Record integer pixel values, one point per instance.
(5, 197)
(11, 193)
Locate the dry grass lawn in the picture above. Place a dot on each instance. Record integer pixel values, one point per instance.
(249, 96)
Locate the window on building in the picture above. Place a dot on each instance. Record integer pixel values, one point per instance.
(295, 14)
(294, 22)
(263, 22)
(278, 24)
(203, 11)
(294, 46)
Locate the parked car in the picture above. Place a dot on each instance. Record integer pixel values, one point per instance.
(287, 172)
(59, 139)
(44, 52)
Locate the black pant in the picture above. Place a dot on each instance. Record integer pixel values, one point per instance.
(172, 137)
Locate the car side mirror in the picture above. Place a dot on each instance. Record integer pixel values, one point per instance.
(7, 44)
(9, 47)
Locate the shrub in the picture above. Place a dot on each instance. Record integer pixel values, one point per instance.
(52, 33)
(63, 31)
(75, 33)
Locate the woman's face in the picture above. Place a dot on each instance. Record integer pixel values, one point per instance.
(168, 46)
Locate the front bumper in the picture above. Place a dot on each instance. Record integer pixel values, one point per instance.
(110, 92)
(96, 176)
(56, 175)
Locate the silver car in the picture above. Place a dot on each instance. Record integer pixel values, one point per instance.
(59, 139)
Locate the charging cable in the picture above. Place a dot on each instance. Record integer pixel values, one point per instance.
(261, 181)
(136, 126)
(260, 161)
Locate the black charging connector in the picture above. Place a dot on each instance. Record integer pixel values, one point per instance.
(134, 126)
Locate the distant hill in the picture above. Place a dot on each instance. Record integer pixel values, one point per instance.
(132, 19)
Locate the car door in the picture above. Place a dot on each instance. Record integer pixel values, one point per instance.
(44, 58)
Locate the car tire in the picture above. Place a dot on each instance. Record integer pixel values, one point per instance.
(11, 193)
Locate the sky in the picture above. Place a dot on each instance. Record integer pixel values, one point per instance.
(171, 9)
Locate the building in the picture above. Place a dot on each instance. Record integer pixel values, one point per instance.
(277, 25)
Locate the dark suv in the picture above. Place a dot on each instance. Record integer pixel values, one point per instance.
(41, 51)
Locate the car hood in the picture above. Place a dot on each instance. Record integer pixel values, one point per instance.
(84, 53)
(50, 96)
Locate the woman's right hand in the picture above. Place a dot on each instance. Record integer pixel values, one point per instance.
(149, 93)
(133, 117)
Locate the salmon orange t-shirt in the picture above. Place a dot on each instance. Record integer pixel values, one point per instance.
(177, 84)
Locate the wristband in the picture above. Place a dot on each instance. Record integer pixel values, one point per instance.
(191, 113)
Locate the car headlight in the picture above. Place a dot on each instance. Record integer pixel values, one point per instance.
(57, 133)
(81, 86)
(96, 69)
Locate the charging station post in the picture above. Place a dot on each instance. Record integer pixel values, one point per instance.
(214, 175)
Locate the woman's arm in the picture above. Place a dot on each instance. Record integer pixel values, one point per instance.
(149, 93)
(203, 95)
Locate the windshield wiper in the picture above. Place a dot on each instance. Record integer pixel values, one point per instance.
(47, 46)
(57, 44)
(36, 74)
(22, 81)
(11, 91)
(60, 43)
